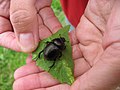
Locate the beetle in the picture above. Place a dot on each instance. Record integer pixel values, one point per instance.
(53, 50)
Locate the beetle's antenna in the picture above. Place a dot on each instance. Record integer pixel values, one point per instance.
(52, 65)
(40, 53)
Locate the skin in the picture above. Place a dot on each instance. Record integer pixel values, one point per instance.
(96, 53)
(23, 23)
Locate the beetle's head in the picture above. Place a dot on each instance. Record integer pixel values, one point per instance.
(62, 39)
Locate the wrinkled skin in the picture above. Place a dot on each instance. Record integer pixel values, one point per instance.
(96, 53)
(23, 23)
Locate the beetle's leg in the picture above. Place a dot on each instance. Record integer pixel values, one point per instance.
(52, 65)
(65, 47)
(60, 55)
(46, 42)
(38, 55)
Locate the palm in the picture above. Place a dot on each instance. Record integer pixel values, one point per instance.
(95, 44)
(90, 53)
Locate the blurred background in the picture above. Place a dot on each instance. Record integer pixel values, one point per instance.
(11, 60)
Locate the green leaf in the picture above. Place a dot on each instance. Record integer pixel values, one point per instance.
(63, 68)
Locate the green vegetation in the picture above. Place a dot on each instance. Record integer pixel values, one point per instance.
(64, 65)
(11, 60)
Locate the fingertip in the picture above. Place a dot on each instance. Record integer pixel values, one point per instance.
(23, 16)
(50, 20)
(26, 70)
(72, 37)
(27, 42)
(29, 59)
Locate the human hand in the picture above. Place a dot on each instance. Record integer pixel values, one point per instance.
(99, 35)
(23, 23)
(30, 70)
(96, 53)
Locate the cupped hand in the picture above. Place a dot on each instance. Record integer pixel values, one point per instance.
(23, 23)
(96, 53)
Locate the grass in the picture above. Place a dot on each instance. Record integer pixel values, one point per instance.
(11, 60)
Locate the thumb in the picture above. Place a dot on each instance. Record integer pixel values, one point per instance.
(23, 17)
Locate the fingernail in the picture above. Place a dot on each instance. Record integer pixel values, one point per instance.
(26, 42)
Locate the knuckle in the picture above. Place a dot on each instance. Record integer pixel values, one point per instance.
(21, 17)
(18, 85)
(43, 3)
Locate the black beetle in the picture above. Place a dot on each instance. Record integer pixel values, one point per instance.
(53, 50)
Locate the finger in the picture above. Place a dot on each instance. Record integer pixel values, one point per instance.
(81, 66)
(76, 52)
(73, 38)
(112, 33)
(40, 4)
(90, 40)
(4, 8)
(57, 87)
(28, 69)
(44, 32)
(40, 89)
(50, 20)
(23, 17)
(104, 75)
(29, 59)
(35, 81)
(5, 25)
(8, 40)
(44, 79)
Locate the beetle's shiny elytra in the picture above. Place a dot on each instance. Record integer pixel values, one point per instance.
(53, 50)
